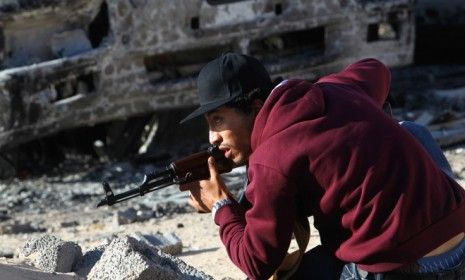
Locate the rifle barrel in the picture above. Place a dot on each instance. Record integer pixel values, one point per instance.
(151, 182)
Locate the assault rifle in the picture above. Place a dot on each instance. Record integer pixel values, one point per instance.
(186, 170)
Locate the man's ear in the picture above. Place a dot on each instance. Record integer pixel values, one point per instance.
(257, 104)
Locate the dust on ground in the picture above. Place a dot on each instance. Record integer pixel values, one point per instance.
(65, 207)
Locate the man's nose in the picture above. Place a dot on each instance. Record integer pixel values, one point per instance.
(214, 138)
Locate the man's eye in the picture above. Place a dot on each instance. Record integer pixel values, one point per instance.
(217, 121)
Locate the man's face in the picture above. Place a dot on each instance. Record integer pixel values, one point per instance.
(230, 130)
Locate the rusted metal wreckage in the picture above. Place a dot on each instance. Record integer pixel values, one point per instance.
(72, 63)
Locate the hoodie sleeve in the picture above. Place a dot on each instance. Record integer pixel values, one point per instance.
(257, 240)
(369, 75)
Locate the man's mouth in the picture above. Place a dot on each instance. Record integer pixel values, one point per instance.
(227, 151)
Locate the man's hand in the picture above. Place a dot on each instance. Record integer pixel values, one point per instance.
(194, 188)
(206, 192)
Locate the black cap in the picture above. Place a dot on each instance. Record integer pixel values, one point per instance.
(226, 78)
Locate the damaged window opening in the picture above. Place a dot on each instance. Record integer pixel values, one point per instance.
(87, 81)
(382, 32)
(100, 26)
(180, 64)
(278, 9)
(285, 44)
(83, 84)
(195, 23)
(2, 48)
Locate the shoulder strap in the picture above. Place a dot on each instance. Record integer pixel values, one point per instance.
(292, 261)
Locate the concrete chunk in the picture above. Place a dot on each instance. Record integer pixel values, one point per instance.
(51, 254)
(130, 259)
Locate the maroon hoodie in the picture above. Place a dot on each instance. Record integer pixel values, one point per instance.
(327, 150)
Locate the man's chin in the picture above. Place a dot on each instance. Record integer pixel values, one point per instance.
(239, 162)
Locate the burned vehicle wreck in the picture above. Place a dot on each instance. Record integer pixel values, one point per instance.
(123, 68)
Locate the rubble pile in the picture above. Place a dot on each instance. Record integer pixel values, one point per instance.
(432, 96)
(127, 258)
(447, 126)
(51, 254)
(123, 257)
(83, 188)
(27, 205)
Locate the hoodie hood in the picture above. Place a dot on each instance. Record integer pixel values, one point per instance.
(377, 88)
(294, 101)
(284, 108)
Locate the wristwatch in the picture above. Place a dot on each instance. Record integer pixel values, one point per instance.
(217, 205)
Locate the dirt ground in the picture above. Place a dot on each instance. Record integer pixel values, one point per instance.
(202, 247)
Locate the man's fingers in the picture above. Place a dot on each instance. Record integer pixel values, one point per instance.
(197, 205)
(212, 167)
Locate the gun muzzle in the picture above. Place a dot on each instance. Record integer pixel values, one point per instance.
(109, 196)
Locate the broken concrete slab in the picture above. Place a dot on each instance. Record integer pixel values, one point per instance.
(130, 259)
(124, 217)
(453, 124)
(131, 215)
(21, 272)
(451, 93)
(7, 252)
(15, 227)
(168, 243)
(455, 97)
(144, 215)
(449, 137)
(425, 118)
(51, 254)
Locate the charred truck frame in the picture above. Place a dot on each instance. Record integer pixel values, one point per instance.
(74, 63)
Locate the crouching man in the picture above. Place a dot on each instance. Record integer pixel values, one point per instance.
(383, 209)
